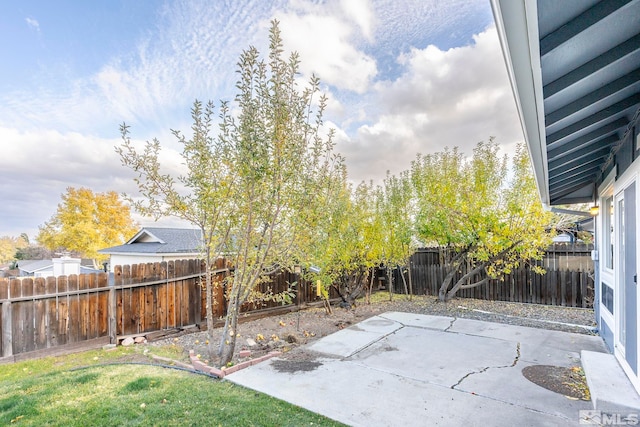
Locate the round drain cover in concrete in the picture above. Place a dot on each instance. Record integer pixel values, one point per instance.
(570, 382)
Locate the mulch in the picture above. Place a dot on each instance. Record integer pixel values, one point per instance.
(293, 330)
(570, 382)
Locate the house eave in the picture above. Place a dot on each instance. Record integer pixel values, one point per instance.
(521, 52)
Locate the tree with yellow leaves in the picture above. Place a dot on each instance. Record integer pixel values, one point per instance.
(86, 222)
(491, 219)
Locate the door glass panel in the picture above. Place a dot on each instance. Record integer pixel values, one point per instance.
(621, 240)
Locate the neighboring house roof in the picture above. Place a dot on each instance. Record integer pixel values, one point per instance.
(160, 241)
(38, 265)
(31, 266)
(575, 72)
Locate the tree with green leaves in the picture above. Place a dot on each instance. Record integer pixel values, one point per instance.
(341, 241)
(202, 196)
(86, 222)
(490, 219)
(246, 186)
(396, 211)
(279, 144)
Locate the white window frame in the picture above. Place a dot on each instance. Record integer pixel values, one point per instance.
(607, 275)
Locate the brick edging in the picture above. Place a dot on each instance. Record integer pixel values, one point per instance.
(221, 373)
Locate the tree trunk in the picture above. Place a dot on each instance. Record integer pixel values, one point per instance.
(442, 293)
(209, 296)
(404, 281)
(390, 276)
(370, 289)
(446, 295)
(230, 331)
(459, 285)
(410, 281)
(356, 285)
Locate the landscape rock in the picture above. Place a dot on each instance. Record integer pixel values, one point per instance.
(127, 341)
(292, 339)
(251, 342)
(139, 340)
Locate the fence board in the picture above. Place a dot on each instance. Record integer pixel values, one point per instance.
(193, 291)
(103, 307)
(4, 294)
(83, 308)
(186, 296)
(17, 320)
(40, 311)
(28, 316)
(63, 312)
(574, 289)
(74, 309)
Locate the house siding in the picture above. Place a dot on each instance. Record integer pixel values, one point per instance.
(607, 334)
(610, 283)
(131, 259)
(628, 152)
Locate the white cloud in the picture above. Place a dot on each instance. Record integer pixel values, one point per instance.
(32, 23)
(384, 111)
(38, 166)
(443, 98)
(192, 53)
(360, 11)
(328, 44)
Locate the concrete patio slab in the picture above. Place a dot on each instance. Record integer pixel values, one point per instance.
(414, 370)
(349, 341)
(611, 390)
(419, 320)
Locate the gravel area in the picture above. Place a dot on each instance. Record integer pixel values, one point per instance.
(288, 332)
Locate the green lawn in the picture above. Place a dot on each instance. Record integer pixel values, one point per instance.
(52, 391)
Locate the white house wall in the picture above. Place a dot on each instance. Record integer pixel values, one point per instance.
(609, 325)
(131, 259)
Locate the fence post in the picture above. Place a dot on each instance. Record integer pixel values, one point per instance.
(113, 312)
(7, 329)
(5, 319)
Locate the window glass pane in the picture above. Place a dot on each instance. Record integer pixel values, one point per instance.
(608, 233)
(607, 297)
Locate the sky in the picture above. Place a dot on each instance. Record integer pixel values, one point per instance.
(402, 76)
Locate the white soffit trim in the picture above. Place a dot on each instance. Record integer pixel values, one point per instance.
(517, 25)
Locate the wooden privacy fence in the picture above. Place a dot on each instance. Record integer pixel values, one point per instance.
(559, 256)
(568, 279)
(555, 287)
(45, 313)
(39, 314)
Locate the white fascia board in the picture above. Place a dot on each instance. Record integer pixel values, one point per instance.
(142, 232)
(517, 26)
(158, 254)
(134, 238)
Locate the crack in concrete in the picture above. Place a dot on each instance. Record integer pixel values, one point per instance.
(392, 320)
(486, 368)
(453, 387)
(451, 324)
(515, 361)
